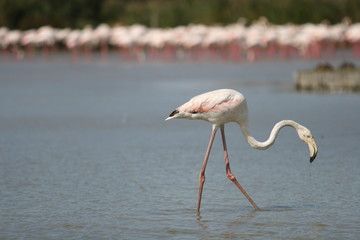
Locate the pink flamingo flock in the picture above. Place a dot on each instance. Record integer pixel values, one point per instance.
(234, 42)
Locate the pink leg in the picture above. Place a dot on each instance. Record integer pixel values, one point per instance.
(229, 173)
(202, 173)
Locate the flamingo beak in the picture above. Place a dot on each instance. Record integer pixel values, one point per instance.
(313, 149)
(172, 115)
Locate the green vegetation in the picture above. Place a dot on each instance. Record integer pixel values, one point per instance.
(26, 14)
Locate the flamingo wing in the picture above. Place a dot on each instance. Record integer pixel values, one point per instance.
(207, 102)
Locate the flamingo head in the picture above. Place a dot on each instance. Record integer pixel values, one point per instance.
(306, 136)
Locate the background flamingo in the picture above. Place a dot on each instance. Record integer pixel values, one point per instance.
(194, 42)
(225, 105)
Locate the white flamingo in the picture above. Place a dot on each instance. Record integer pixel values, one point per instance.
(72, 43)
(45, 38)
(103, 33)
(12, 41)
(352, 35)
(225, 105)
(29, 42)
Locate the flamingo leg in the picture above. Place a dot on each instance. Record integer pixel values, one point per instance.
(229, 173)
(202, 172)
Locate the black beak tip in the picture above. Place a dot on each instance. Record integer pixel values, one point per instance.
(173, 113)
(312, 158)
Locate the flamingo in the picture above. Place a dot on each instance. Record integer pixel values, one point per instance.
(226, 105)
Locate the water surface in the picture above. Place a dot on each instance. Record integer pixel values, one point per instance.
(85, 153)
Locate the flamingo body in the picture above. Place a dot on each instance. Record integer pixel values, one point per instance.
(226, 105)
(217, 107)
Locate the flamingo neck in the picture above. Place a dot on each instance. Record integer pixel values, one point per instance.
(274, 132)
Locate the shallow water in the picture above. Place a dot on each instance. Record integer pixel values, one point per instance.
(85, 153)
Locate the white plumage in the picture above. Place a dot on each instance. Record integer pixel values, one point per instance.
(226, 105)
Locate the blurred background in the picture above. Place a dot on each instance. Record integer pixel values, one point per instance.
(27, 14)
(180, 30)
(85, 87)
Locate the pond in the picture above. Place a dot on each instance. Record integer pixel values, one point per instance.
(85, 153)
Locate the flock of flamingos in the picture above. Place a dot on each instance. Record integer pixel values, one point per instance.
(234, 42)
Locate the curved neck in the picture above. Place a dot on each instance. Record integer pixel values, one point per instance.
(274, 132)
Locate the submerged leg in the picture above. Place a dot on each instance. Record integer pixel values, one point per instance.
(202, 172)
(229, 173)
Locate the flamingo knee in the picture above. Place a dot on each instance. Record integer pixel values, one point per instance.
(231, 176)
(202, 178)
